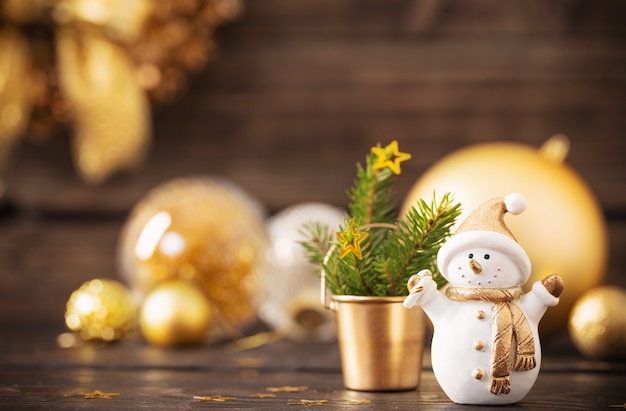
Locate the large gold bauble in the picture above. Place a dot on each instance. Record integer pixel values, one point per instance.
(562, 230)
(101, 309)
(174, 313)
(597, 323)
(203, 230)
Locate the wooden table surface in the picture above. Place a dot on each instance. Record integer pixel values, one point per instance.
(36, 374)
(295, 96)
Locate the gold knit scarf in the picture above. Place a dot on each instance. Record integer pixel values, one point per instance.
(508, 323)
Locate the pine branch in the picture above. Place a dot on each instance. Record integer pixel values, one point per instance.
(371, 202)
(316, 249)
(318, 243)
(371, 199)
(415, 243)
(394, 249)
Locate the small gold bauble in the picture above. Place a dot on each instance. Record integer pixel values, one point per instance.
(597, 323)
(101, 309)
(563, 230)
(174, 313)
(199, 229)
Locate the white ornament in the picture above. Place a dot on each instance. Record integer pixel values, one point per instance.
(485, 347)
(290, 299)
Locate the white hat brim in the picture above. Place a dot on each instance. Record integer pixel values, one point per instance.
(465, 241)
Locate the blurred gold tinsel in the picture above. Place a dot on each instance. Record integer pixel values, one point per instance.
(96, 66)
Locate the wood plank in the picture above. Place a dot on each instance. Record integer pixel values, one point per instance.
(468, 17)
(285, 159)
(43, 261)
(286, 112)
(166, 388)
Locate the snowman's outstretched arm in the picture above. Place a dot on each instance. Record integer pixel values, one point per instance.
(423, 291)
(544, 294)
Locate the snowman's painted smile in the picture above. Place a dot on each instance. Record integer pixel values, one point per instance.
(478, 269)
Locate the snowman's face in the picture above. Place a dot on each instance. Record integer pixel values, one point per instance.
(482, 267)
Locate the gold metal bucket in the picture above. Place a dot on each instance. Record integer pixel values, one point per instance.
(381, 343)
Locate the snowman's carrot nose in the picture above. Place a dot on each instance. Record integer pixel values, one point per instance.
(475, 266)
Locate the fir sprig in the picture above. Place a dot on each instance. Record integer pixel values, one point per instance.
(414, 244)
(395, 248)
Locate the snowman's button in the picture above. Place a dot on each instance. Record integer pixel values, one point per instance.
(479, 345)
(478, 373)
(480, 314)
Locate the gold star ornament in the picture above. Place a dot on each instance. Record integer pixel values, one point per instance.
(389, 157)
(351, 240)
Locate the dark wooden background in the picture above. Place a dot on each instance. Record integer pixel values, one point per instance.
(300, 90)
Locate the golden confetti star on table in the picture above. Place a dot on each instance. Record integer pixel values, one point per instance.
(389, 157)
(216, 398)
(358, 401)
(309, 403)
(97, 394)
(288, 388)
(351, 240)
(263, 395)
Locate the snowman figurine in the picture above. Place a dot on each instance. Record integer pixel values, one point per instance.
(485, 347)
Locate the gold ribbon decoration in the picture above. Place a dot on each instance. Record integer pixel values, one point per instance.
(111, 112)
(509, 324)
(96, 76)
(96, 65)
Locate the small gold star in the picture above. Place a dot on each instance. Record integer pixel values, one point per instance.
(216, 398)
(389, 157)
(351, 241)
(358, 401)
(308, 403)
(263, 395)
(99, 394)
(288, 388)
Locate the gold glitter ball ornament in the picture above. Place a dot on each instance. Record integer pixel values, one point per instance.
(199, 229)
(174, 313)
(597, 324)
(101, 309)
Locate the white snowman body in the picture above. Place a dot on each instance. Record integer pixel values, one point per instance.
(463, 339)
(462, 368)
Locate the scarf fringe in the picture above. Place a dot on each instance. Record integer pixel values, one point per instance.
(500, 385)
(525, 362)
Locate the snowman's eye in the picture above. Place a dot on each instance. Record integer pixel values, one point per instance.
(470, 255)
(486, 256)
